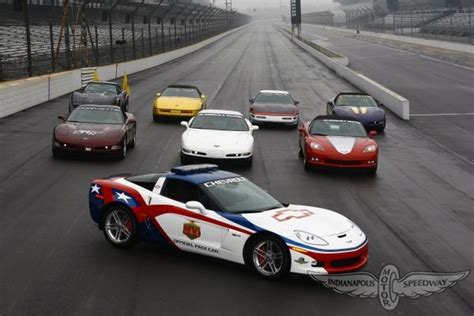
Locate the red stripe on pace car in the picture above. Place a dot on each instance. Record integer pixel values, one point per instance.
(156, 210)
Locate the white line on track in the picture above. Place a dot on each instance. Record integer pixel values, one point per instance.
(441, 114)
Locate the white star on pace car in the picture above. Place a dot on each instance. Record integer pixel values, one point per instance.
(217, 134)
(201, 209)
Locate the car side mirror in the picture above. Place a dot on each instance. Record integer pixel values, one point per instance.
(297, 102)
(301, 129)
(381, 105)
(131, 120)
(158, 94)
(372, 134)
(62, 117)
(251, 101)
(195, 205)
(203, 96)
(184, 123)
(255, 127)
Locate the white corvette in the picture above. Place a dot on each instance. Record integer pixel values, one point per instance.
(217, 134)
(201, 209)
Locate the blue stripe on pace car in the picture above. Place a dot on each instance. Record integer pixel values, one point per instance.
(242, 221)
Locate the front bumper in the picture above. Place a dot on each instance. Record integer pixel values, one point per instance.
(215, 154)
(274, 118)
(62, 148)
(322, 159)
(374, 125)
(304, 262)
(174, 113)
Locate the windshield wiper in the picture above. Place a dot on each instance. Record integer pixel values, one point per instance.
(319, 134)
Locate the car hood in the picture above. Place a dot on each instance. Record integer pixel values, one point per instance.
(95, 134)
(360, 113)
(274, 108)
(215, 139)
(94, 98)
(178, 103)
(335, 229)
(342, 144)
(314, 220)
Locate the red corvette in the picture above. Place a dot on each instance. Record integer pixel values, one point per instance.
(329, 141)
(95, 129)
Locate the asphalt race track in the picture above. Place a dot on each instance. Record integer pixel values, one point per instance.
(417, 211)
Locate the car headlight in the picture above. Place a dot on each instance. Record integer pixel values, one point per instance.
(316, 146)
(370, 149)
(311, 239)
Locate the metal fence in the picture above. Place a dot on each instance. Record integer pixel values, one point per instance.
(455, 25)
(84, 33)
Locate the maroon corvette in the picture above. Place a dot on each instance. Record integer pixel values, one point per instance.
(95, 129)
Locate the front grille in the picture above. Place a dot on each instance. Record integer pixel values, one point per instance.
(345, 262)
(344, 162)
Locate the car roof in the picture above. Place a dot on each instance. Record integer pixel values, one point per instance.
(104, 82)
(199, 173)
(112, 107)
(274, 91)
(334, 118)
(182, 86)
(354, 93)
(211, 111)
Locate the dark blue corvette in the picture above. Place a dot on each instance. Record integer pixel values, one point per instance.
(359, 106)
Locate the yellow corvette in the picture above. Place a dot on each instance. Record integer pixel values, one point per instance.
(178, 101)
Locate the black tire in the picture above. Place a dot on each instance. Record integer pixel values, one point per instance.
(306, 164)
(56, 153)
(279, 256)
(115, 232)
(185, 160)
(372, 172)
(156, 118)
(248, 162)
(123, 152)
(300, 152)
(134, 139)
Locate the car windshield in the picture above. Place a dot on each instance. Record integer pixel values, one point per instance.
(101, 88)
(280, 98)
(96, 115)
(337, 128)
(220, 122)
(238, 195)
(356, 100)
(181, 92)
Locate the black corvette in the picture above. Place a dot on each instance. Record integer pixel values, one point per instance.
(100, 93)
(359, 106)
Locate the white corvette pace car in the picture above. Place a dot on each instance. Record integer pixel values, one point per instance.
(201, 209)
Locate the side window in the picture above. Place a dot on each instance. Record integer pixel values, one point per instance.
(183, 191)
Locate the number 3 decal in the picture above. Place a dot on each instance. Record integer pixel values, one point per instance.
(285, 215)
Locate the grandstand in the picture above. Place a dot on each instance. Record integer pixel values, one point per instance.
(67, 34)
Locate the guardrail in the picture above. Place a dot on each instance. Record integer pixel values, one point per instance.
(393, 101)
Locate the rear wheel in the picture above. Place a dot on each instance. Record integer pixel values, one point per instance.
(269, 257)
(300, 152)
(134, 139)
(123, 152)
(120, 227)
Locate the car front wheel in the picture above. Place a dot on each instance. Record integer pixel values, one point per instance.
(120, 227)
(269, 257)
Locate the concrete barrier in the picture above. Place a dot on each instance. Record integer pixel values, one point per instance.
(459, 47)
(19, 95)
(391, 100)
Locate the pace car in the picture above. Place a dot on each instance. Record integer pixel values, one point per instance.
(178, 101)
(204, 210)
(274, 106)
(338, 142)
(95, 129)
(359, 106)
(218, 134)
(101, 93)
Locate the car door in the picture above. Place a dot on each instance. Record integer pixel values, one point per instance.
(190, 229)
